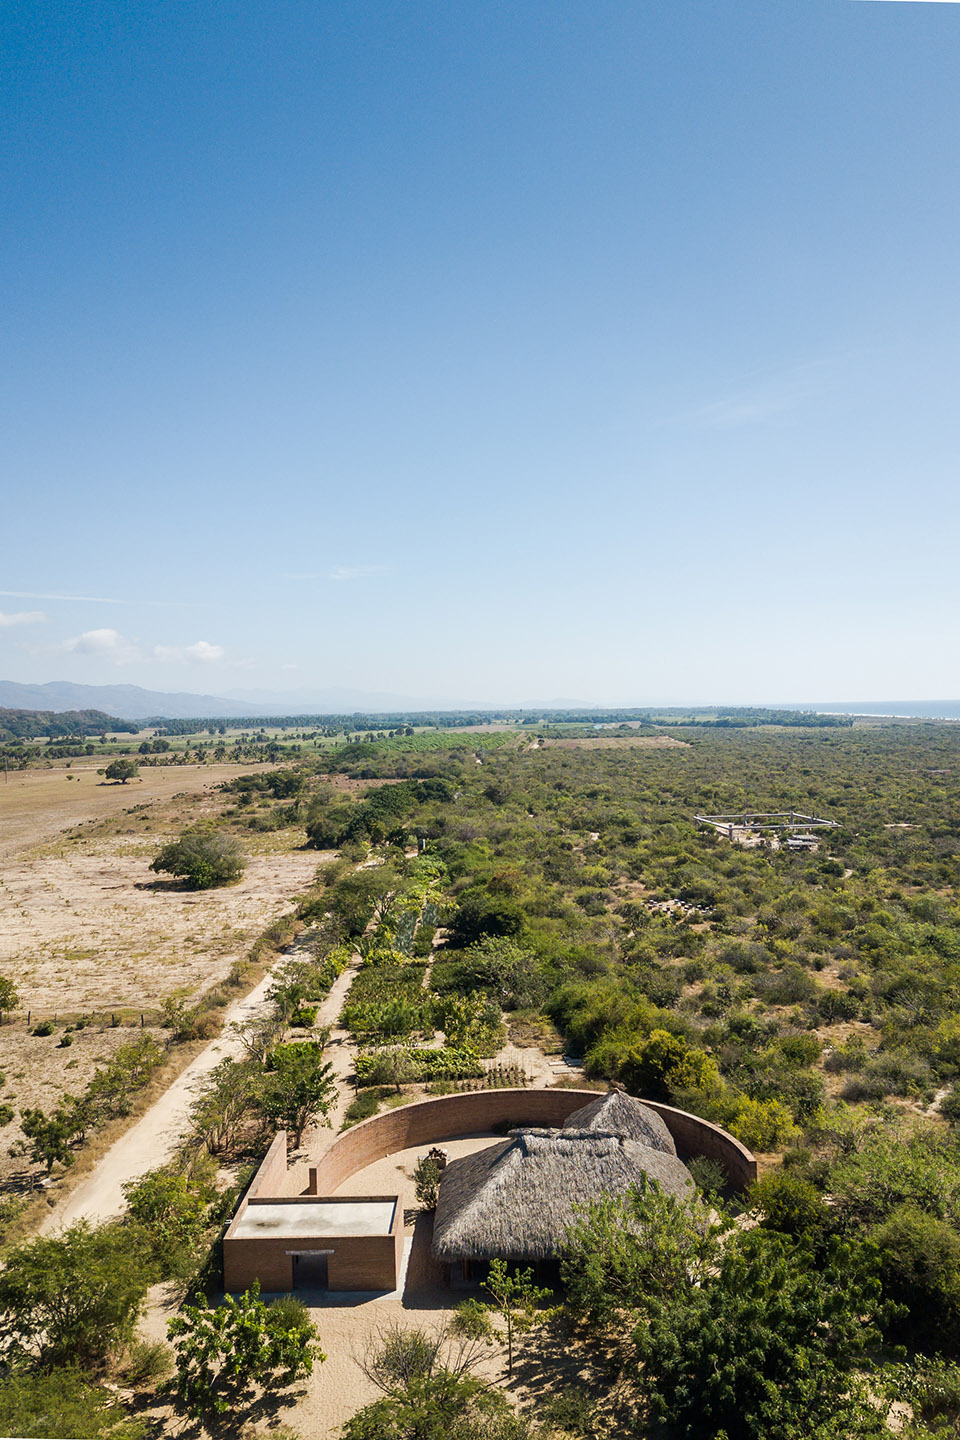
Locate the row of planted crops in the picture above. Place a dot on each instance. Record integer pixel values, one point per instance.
(408, 1032)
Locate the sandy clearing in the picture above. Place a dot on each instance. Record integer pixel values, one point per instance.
(154, 1138)
(36, 805)
(94, 930)
(617, 742)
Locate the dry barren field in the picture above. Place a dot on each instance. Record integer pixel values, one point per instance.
(617, 742)
(86, 929)
(36, 805)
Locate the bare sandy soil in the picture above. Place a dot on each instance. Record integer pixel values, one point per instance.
(86, 929)
(93, 929)
(36, 805)
(156, 1134)
(617, 742)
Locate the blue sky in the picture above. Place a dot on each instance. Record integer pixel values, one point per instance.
(491, 352)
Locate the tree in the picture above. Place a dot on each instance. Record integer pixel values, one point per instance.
(623, 1249)
(426, 1180)
(62, 1402)
(664, 1064)
(204, 857)
(170, 1210)
(48, 1138)
(226, 1101)
(479, 913)
(72, 1298)
(790, 1204)
(297, 1087)
(9, 995)
(920, 1270)
(224, 1354)
(501, 968)
(356, 899)
(516, 1300)
(768, 1345)
(131, 1066)
(122, 770)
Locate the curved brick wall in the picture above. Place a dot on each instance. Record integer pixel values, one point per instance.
(430, 1121)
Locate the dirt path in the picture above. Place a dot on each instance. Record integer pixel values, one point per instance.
(154, 1137)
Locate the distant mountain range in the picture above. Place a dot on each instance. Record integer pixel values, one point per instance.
(127, 702)
(133, 702)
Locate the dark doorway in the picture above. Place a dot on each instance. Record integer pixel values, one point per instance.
(310, 1271)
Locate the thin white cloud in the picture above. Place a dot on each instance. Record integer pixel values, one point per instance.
(107, 643)
(764, 396)
(21, 617)
(354, 572)
(200, 652)
(90, 599)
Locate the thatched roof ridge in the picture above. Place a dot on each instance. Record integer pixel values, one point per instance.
(618, 1113)
(515, 1199)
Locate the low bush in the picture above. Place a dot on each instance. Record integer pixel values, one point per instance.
(204, 858)
(418, 1065)
(365, 1105)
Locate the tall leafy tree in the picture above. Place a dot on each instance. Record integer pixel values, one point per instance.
(72, 1298)
(297, 1087)
(226, 1353)
(769, 1346)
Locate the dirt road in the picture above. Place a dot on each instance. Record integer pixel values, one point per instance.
(154, 1137)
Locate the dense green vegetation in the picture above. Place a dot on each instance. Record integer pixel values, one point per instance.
(31, 737)
(807, 1001)
(745, 982)
(810, 1002)
(28, 724)
(203, 858)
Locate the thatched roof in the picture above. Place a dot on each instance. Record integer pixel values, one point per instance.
(515, 1199)
(621, 1114)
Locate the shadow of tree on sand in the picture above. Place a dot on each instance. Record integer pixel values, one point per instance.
(260, 1410)
(554, 1372)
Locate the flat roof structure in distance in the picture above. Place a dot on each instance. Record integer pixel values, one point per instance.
(766, 827)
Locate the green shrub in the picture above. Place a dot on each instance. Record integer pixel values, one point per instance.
(62, 1402)
(664, 1064)
(305, 1017)
(362, 1107)
(709, 1175)
(790, 1204)
(203, 857)
(419, 1065)
(72, 1298)
(920, 1269)
(46, 1027)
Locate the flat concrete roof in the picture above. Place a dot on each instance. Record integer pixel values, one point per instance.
(321, 1218)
